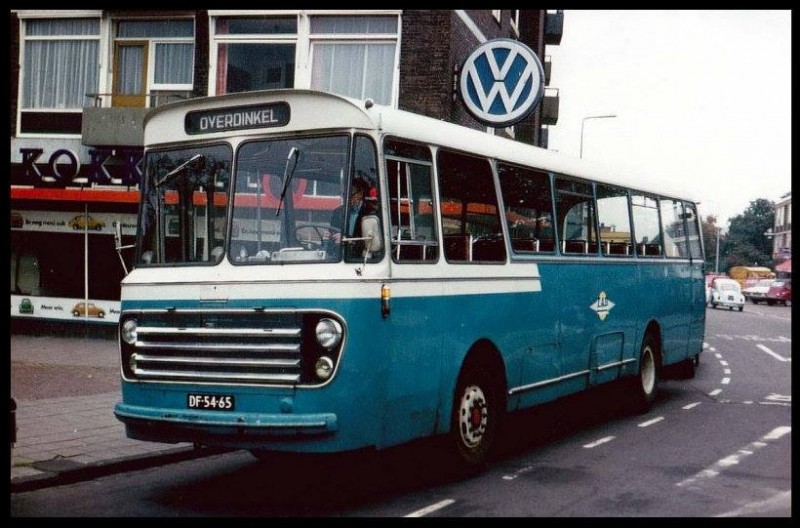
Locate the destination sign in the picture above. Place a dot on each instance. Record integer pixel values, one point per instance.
(237, 118)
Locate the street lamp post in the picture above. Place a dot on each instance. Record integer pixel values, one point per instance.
(583, 122)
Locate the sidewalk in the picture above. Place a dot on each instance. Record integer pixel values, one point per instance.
(70, 438)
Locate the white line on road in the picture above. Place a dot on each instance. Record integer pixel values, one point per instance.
(432, 508)
(731, 460)
(690, 406)
(725, 381)
(773, 354)
(651, 422)
(599, 442)
(715, 392)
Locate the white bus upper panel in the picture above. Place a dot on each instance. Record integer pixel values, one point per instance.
(313, 110)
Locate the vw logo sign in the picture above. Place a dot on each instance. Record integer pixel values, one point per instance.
(501, 82)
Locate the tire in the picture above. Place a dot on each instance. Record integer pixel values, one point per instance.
(475, 418)
(645, 384)
(741, 308)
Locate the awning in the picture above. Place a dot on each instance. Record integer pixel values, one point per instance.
(784, 267)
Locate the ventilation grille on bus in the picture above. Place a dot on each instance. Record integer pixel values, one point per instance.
(223, 347)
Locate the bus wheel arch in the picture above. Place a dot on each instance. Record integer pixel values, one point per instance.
(479, 403)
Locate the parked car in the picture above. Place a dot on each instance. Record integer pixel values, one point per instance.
(757, 292)
(81, 222)
(90, 309)
(780, 292)
(727, 293)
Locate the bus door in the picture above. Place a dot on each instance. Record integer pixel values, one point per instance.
(417, 307)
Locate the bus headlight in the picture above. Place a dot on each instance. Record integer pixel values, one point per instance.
(128, 331)
(324, 368)
(329, 333)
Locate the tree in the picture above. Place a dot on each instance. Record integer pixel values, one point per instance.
(746, 244)
(709, 229)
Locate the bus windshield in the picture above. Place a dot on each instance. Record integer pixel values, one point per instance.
(184, 205)
(287, 198)
(287, 202)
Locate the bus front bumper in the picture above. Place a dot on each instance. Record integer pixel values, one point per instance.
(232, 429)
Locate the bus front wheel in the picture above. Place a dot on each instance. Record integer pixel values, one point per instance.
(645, 384)
(476, 416)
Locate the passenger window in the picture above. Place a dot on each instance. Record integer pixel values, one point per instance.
(575, 217)
(411, 211)
(615, 222)
(675, 244)
(646, 227)
(528, 203)
(693, 231)
(471, 229)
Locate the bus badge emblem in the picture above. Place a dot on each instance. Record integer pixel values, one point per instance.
(602, 306)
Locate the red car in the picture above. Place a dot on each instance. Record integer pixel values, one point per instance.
(780, 292)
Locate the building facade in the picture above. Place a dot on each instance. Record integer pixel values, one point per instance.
(782, 233)
(85, 79)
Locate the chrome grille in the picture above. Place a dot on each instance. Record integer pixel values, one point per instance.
(221, 347)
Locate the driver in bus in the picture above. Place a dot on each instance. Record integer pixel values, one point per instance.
(363, 201)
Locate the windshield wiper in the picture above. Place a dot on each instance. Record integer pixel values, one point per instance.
(178, 169)
(287, 176)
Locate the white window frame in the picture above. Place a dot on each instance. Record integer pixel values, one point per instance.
(151, 50)
(303, 40)
(47, 14)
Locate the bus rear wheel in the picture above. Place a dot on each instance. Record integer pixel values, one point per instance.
(476, 417)
(645, 384)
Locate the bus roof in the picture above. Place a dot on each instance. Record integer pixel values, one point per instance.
(311, 109)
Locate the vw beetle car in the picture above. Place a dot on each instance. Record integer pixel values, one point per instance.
(727, 293)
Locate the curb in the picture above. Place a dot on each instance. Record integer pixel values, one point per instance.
(119, 465)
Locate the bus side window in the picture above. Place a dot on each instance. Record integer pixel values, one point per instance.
(615, 223)
(646, 225)
(527, 200)
(411, 206)
(469, 208)
(576, 217)
(675, 243)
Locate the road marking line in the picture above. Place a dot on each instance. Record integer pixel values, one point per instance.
(690, 406)
(599, 442)
(727, 371)
(651, 422)
(718, 355)
(732, 460)
(773, 354)
(725, 381)
(432, 508)
(723, 363)
(715, 392)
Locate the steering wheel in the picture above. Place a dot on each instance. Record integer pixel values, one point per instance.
(313, 237)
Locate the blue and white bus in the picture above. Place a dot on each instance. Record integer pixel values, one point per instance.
(479, 276)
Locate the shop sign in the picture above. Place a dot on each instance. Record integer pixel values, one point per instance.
(64, 167)
(93, 310)
(501, 82)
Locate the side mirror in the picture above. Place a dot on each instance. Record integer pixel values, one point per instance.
(371, 231)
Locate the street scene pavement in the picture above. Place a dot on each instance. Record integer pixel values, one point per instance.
(65, 383)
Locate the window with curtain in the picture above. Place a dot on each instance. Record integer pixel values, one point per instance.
(354, 55)
(155, 55)
(61, 63)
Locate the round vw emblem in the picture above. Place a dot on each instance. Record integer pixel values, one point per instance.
(501, 82)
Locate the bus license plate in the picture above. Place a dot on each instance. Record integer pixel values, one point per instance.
(211, 402)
